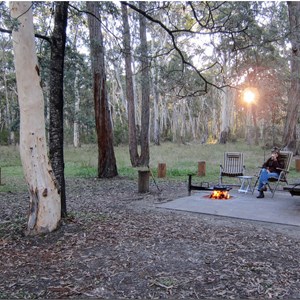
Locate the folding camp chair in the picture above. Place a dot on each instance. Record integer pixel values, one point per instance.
(233, 165)
(273, 183)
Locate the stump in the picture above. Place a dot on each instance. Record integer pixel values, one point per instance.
(143, 181)
(201, 168)
(161, 170)
(297, 164)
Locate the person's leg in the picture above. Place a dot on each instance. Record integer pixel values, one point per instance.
(273, 175)
(263, 179)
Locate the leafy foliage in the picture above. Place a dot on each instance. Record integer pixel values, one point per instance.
(195, 47)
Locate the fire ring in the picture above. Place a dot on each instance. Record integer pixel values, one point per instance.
(220, 192)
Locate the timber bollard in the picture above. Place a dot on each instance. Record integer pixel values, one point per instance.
(201, 168)
(297, 164)
(143, 181)
(161, 170)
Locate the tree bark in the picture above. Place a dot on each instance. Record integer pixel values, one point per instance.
(289, 135)
(45, 206)
(156, 125)
(133, 149)
(145, 114)
(56, 101)
(226, 105)
(76, 125)
(8, 118)
(107, 166)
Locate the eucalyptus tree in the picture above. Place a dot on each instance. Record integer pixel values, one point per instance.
(77, 89)
(248, 59)
(290, 135)
(133, 150)
(106, 157)
(183, 33)
(9, 112)
(56, 103)
(242, 26)
(137, 159)
(145, 94)
(55, 87)
(45, 206)
(263, 65)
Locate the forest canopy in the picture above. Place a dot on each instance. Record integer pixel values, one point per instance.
(201, 56)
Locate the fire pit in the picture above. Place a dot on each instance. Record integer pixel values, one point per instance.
(217, 192)
(220, 192)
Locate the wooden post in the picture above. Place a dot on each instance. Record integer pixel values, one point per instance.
(143, 181)
(297, 164)
(201, 168)
(162, 170)
(190, 184)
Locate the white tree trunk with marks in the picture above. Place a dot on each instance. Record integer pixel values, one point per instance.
(45, 207)
(76, 125)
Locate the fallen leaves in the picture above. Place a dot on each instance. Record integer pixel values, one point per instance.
(115, 244)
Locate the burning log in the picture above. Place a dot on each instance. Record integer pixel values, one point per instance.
(219, 195)
(220, 192)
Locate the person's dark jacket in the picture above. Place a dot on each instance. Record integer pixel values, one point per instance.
(273, 165)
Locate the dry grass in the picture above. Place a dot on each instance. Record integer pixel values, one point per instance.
(180, 160)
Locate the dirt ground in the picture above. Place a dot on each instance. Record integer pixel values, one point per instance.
(116, 245)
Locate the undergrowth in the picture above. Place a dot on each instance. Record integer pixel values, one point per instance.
(180, 160)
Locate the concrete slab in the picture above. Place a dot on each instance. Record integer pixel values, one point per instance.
(282, 209)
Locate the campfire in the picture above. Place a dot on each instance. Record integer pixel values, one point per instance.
(220, 193)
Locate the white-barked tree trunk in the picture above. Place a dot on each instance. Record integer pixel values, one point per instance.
(45, 207)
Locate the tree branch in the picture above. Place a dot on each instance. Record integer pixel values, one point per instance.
(37, 35)
(171, 34)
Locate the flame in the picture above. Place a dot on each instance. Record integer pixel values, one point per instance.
(219, 195)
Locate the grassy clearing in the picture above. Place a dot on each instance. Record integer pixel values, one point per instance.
(181, 160)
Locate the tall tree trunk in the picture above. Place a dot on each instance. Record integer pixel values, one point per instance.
(145, 157)
(133, 149)
(107, 166)
(289, 135)
(226, 105)
(56, 102)
(156, 74)
(76, 126)
(191, 120)
(45, 206)
(119, 84)
(156, 125)
(175, 117)
(8, 117)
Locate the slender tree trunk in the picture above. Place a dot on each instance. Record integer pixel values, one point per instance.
(133, 149)
(227, 106)
(156, 74)
(76, 126)
(45, 206)
(175, 118)
(191, 120)
(8, 118)
(107, 166)
(289, 135)
(145, 157)
(182, 121)
(56, 102)
(119, 83)
(156, 126)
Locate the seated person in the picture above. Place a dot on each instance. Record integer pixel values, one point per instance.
(270, 169)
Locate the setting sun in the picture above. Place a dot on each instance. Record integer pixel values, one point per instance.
(249, 96)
